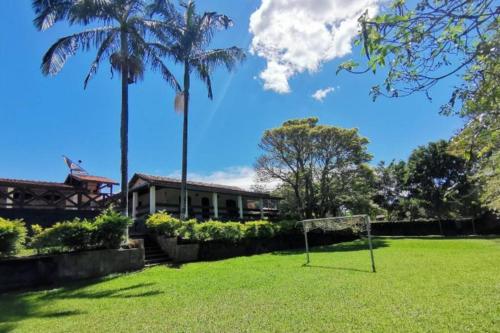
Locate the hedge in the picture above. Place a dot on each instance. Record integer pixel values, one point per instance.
(105, 231)
(164, 224)
(12, 236)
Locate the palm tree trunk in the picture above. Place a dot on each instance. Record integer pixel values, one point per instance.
(184, 198)
(124, 124)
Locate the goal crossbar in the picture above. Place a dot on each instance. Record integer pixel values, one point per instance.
(357, 223)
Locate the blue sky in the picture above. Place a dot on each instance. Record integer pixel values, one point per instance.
(43, 118)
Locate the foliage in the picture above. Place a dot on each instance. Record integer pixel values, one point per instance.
(259, 229)
(440, 181)
(185, 37)
(64, 236)
(424, 42)
(187, 230)
(321, 168)
(110, 229)
(163, 223)
(219, 231)
(105, 231)
(12, 236)
(423, 285)
(391, 188)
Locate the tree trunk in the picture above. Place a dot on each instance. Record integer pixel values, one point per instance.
(184, 197)
(124, 124)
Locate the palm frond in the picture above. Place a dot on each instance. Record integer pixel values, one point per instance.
(55, 58)
(108, 46)
(220, 57)
(203, 72)
(48, 12)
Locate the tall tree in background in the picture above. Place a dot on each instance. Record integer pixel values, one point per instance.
(185, 38)
(391, 188)
(424, 42)
(440, 181)
(321, 168)
(118, 37)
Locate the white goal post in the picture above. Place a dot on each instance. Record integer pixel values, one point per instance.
(357, 223)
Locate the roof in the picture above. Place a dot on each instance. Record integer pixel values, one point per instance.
(33, 183)
(173, 182)
(97, 179)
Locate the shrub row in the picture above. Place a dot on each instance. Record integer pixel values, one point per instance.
(105, 231)
(12, 236)
(164, 224)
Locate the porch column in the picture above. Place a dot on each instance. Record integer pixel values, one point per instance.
(261, 206)
(135, 200)
(8, 201)
(215, 204)
(240, 206)
(152, 199)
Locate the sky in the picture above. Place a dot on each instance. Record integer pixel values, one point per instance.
(293, 49)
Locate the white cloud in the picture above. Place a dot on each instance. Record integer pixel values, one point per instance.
(295, 36)
(321, 94)
(241, 176)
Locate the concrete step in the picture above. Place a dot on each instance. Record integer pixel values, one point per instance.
(154, 262)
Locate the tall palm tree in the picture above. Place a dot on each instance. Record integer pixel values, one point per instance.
(119, 37)
(185, 38)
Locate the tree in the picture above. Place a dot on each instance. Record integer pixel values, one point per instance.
(391, 188)
(421, 43)
(185, 38)
(119, 37)
(321, 168)
(440, 181)
(425, 43)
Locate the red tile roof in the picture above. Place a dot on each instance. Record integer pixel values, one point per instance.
(96, 179)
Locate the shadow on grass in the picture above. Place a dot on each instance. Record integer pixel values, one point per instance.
(357, 245)
(337, 268)
(16, 307)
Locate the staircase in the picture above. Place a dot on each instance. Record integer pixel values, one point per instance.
(154, 255)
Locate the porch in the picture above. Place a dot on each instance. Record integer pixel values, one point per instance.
(205, 201)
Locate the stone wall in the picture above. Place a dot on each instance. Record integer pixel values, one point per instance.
(50, 270)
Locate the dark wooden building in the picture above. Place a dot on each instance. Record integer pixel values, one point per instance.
(80, 195)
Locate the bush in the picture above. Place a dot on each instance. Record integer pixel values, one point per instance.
(187, 230)
(286, 227)
(164, 224)
(215, 230)
(106, 231)
(68, 235)
(12, 236)
(110, 229)
(259, 229)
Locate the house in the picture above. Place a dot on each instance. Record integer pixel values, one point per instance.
(43, 202)
(149, 194)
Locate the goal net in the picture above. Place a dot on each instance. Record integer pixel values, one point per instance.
(358, 224)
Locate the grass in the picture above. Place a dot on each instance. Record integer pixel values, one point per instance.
(422, 285)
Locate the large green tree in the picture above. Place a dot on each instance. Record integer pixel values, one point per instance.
(117, 31)
(185, 38)
(441, 182)
(321, 168)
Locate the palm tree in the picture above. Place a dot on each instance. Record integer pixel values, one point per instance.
(119, 38)
(185, 38)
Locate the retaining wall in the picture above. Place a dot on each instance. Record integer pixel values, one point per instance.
(48, 270)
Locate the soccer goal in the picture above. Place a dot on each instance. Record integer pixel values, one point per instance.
(359, 224)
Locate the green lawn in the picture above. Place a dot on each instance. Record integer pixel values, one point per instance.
(422, 285)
